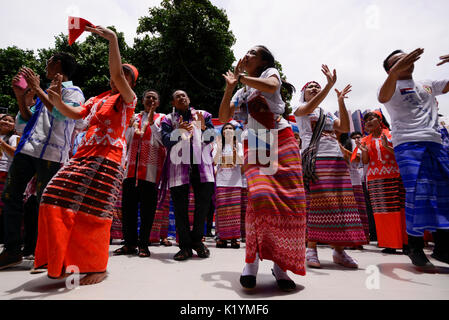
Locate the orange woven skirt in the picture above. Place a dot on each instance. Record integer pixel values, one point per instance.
(75, 216)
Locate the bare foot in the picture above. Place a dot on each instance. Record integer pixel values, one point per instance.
(93, 278)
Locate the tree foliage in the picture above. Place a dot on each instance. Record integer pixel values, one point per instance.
(11, 60)
(182, 44)
(186, 45)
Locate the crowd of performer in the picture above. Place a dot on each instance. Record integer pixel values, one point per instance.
(75, 174)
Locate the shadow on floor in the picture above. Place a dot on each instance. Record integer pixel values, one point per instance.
(44, 285)
(388, 269)
(266, 285)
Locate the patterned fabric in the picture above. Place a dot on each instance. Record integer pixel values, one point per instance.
(243, 206)
(75, 216)
(48, 135)
(108, 118)
(179, 162)
(424, 169)
(382, 163)
(117, 227)
(159, 229)
(148, 151)
(228, 212)
(276, 212)
(361, 206)
(332, 215)
(387, 198)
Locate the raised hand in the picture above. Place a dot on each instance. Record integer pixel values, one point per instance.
(185, 125)
(384, 140)
(362, 146)
(199, 120)
(102, 32)
(407, 61)
(444, 59)
(20, 92)
(54, 92)
(33, 80)
(331, 76)
(341, 95)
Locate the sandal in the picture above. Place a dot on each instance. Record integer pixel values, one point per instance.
(166, 242)
(125, 251)
(235, 244)
(344, 260)
(144, 252)
(221, 243)
(312, 258)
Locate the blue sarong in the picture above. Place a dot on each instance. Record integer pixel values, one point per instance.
(424, 168)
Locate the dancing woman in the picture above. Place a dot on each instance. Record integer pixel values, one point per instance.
(332, 215)
(276, 213)
(76, 210)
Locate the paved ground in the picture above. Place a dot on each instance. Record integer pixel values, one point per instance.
(217, 278)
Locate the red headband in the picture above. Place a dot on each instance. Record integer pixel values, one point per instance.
(133, 70)
(307, 84)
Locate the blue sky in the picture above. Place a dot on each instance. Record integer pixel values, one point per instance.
(350, 35)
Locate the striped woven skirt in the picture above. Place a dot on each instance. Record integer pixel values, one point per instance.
(159, 229)
(117, 226)
(243, 206)
(424, 168)
(75, 216)
(276, 212)
(387, 198)
(359, 196)
(333, 216)
(228, 212)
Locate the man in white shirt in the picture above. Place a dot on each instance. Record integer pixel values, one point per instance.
(43, 148)
(422, 160)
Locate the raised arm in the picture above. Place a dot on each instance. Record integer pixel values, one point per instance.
(55, 97)
(444, 59)
(115, 63)
(33, 82)
(227, 109)
(389, 86)
(342, 124)
(20, 96)
(311, 105)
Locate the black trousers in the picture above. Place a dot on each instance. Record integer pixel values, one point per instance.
(210, 216)
(180, 197)
(441, 238)
(22, 169)
(144, 193)
(30, 220)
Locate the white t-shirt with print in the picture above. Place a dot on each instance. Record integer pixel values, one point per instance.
(274, 101)
(5, 159)
(229, 177)
(413, 111)
(328, 145)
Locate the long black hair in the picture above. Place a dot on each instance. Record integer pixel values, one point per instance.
(268, 57)
(223, 137)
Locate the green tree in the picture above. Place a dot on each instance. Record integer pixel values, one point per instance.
(186, 44)
(11, 60)
(92, 74)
